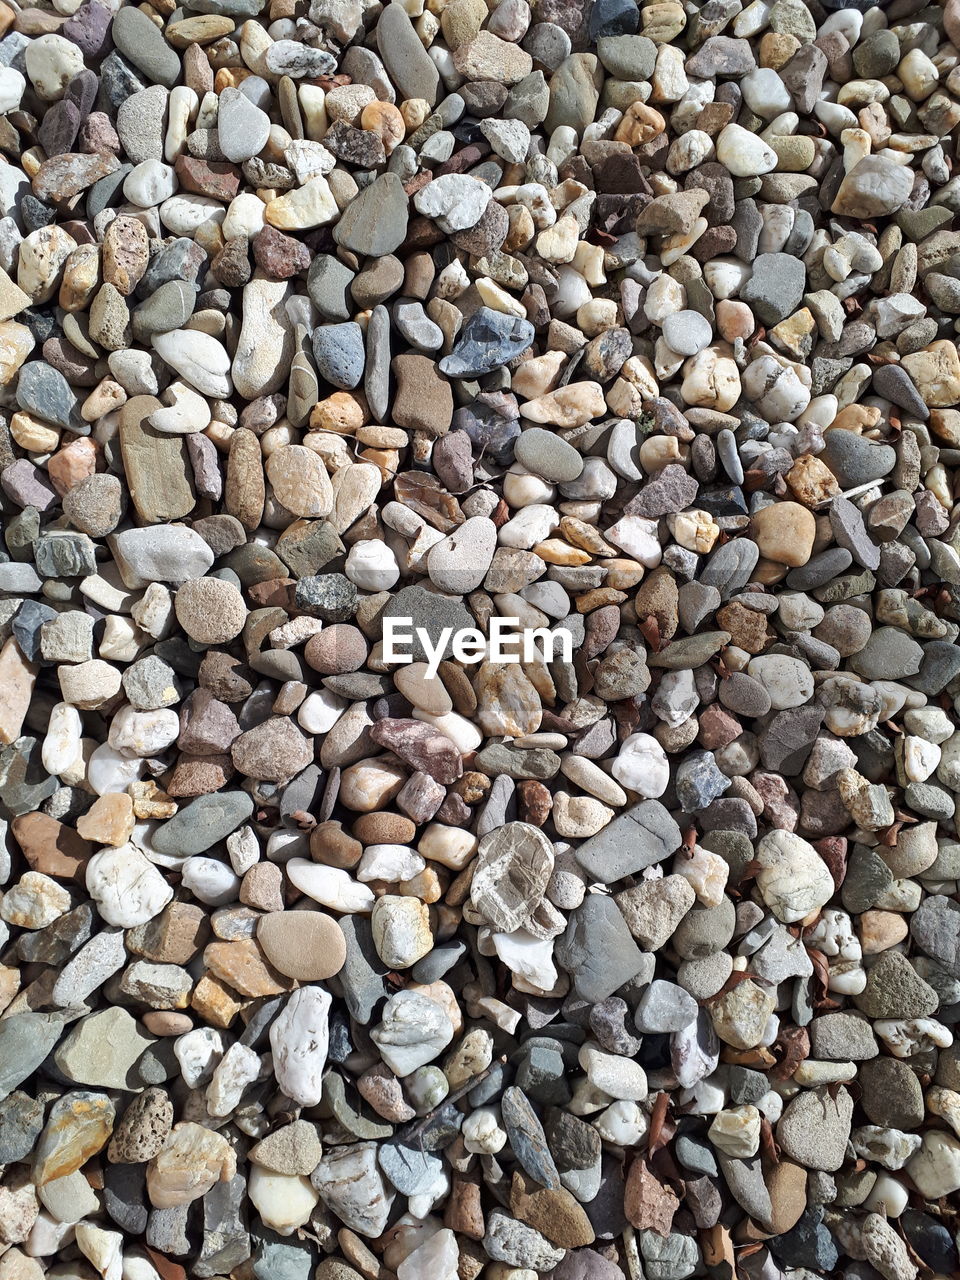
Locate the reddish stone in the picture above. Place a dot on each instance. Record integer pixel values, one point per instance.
(781, 804)
(278, 256)
(73, 463)
(833, 850)
(278, 592)
(212, 178)
(535, 802)
(718, 727)
(200, 775)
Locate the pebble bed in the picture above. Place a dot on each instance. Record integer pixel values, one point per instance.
(637, 324)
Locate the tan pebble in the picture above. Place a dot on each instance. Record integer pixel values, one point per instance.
(555, 1214)
(570, 406)
(787, 1184)
(769, 572)
(945, 424)
(193, 1160)
(578, 817)
(734, 320)
(371, 784)
(103, 399)
(537, 376)
(16, 343)
(311, 205)
(262, 887)
(451, 847)
(41, 261)
(109, 820)
(784, 532)
(306, 945)
(35, 901)
(167, 1022)
(657, 452)
(426, 885)
(424, 693)
(623, 574)
(414, 111)
(556, 551)
(243, 966)
(640, 125)
(796, 334)
(150, 802)
(777, 48)
(387, 461)
(33, 435)
(856, 417)
(378, 437)
(126, 252)
(81, 278)
(584, 536)
(9, 986)
(17, 678)
(214, 1002)
(201, 29)
(811, 481)
(300, 481)
(936, 372)
(386, 121)
(340, 412)
(508, 703)
(294, 1149)
(210, 610)
(880, 930)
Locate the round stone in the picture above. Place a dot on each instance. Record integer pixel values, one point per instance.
(336, 650)
(210, 610)
(306, 945)
(547, 455)
(687, 332)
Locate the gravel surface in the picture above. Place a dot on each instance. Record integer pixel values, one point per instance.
(639, 958)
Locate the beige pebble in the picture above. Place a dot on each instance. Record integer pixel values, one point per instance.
(306, 945)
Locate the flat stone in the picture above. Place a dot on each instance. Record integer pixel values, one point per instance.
(142, 42)
(306, 945)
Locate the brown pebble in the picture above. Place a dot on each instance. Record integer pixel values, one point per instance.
(331, 845)
(424, 400)
(556, 1214)
(51, 847)
(262, 887)
(384, 828)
